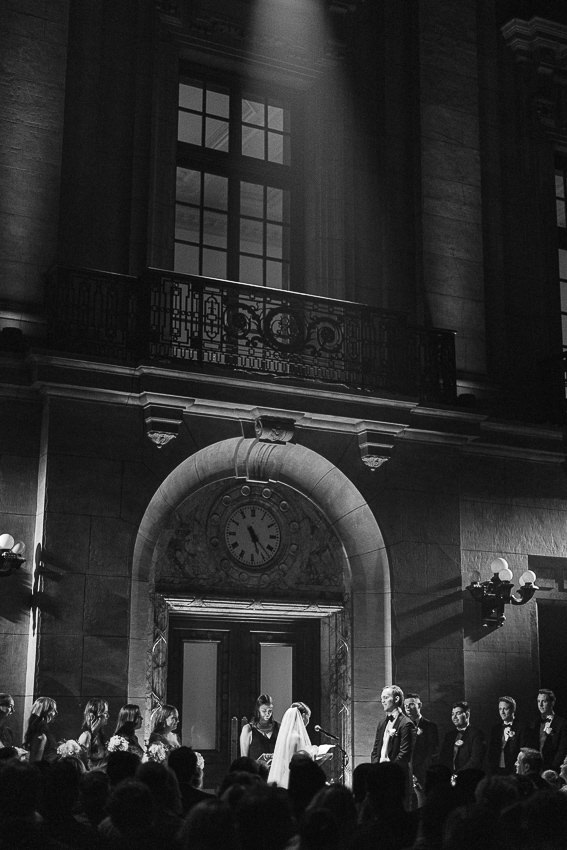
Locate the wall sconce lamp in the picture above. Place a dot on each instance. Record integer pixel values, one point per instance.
(11, 554)
(495, 593)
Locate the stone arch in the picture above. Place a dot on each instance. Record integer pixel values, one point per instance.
(346, 511)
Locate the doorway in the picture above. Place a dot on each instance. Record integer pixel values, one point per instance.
(218, 667)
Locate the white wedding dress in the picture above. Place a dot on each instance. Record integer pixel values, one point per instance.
(292, 738)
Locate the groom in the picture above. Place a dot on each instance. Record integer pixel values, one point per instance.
(395, 734)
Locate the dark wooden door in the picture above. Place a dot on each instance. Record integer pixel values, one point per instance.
(217, 668)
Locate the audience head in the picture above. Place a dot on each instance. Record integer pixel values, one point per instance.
(96, 712)
(164, 719)
(497, 792)
(319, 831)
(305, 779)
(245, 764)
(60, 788)
(6, 707)
(529, 762)
(436, 775)
(209, 826)
(121, 765)
(263, 709)
(470, 827)
(20, 785)
(93, 792)
(359, 777)
(466, 782)
(264, 819)
(131, 810)
(386, 785)
(183, 761)
(339, 802)
(163, 786)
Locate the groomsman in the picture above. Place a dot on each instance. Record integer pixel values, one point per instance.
(464, 746)
(395, 734)
(426, 746)
(548, 733)
(506, 739)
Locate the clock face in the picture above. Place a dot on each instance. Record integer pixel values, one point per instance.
(252, 535)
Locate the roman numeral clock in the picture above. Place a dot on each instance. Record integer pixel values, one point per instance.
(256, 526)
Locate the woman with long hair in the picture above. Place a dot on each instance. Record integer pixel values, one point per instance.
(258, 737)
(292, 738)
(129, 720)
(92, 738)
(6, 711)
(164, 722)
(39, 739)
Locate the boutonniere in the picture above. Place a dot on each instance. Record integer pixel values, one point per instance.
(459, 742)
(393, 732)
(419, 731)
(547, 728)
(509, 733)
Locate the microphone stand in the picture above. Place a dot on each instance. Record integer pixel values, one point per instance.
(344, 756)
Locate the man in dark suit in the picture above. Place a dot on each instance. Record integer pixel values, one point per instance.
(548, 733)
(506, 739)
(464, 746)
(426, 748)
(395, 734)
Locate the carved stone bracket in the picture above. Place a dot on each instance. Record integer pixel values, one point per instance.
(376, 447)
(272, 429)
(162, 423)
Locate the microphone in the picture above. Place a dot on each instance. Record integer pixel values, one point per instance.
(324, 731)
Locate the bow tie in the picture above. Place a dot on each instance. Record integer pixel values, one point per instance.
(507, 723)
(391, 718)
(546, 719)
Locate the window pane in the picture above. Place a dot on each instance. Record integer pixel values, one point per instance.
(214, 229)
(214, 263)
(191, 97)
(274, 274)
(189, 128)
(564, 328)
(217, 103)
(275, 203)
(274, 240)
(216, 134)
(561, 213)
(564, 296)
(199, 700)
(188, 187)
(559, 184)
(275, 147)
(275, 117)
(251, 271)
(187, 223)
(276, 674)
(252, 199)
(253, 113)
(216, 191)
(253, 142)
(251, 236)
(186, 259)
(563, 264)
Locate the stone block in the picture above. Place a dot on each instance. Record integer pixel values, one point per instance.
(91, 430)
(13, 661)
(59, 664)
(443, 567)
(369, 672)
(452, 91)
(105, 666)
(86, 486)
(513, 528)
(451, 199)
(61, 604)
(106, 605)
(408, 567)
(141, 611)
(366, 717)
(111, 545)
(452, 238)
(15, 606)
(139, 484)
(435, 620)
(66, 542)
(446, 678)
(430, 518)
(18, 484)
(453, 126)
(453, 276)
(138, 669)
(20, 424)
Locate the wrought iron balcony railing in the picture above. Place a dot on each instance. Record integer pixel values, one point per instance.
(199, 323)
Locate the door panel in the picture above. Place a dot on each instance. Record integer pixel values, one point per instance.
(217, 668)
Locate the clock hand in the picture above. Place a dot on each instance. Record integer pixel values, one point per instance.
(253, 536)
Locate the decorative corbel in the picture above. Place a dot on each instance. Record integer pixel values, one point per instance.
(162, 423)
(272, 429)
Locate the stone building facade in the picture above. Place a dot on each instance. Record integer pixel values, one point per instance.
(393, 407)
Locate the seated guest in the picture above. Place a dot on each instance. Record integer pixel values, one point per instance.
(94, 788)
(306, 777)
(60, 796)
(20, 823)
(39, 739)
(6, 711)
(264, 820)
(529, 764)
(506, 738)
(464, 746)
(383, 817)
(121, 765)
(130, 821)
(188, 767)
(338, 802)
(129, 720)
(210, 826)
(166, 796)
(93, 739)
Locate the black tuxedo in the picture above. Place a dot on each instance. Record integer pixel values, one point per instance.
(554, 747)
(426, 748)
(470, 754)
(510, 749)
(400, 745)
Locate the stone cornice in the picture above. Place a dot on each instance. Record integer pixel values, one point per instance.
(539, 40)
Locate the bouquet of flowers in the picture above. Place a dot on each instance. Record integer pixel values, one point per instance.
(117, 744)
(69, 748)
(155, 752)
(200, 761)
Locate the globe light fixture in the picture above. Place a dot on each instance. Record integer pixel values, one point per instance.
(495, 593)
(11, 554)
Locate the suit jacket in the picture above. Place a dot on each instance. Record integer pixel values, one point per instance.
(469, 755)
(400, 745)
(554, 748)
(426, 748)
(511, 747)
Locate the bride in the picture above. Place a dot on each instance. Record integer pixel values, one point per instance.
(292, 738)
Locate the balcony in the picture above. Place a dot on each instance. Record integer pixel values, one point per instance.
(201, 324)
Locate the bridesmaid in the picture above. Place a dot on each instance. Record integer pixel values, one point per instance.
(130, 719)
(164, 723)
(39, 739)
(92, 738)
(258, 738)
